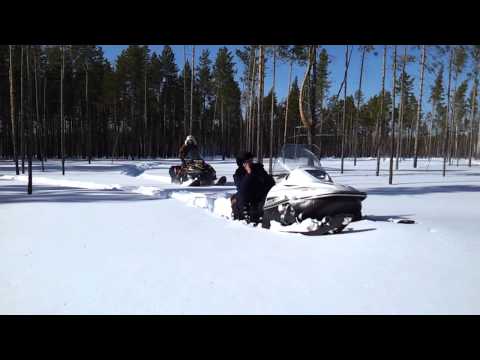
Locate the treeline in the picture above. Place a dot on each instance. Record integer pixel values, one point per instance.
(71, 102)
(80, 106)
(390, 123)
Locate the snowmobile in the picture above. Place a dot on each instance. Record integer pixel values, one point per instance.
(305, 199)
(195, 173)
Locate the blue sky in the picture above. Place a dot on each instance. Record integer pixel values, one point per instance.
(371, 78)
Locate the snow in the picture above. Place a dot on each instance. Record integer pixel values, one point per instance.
(67, 183)
(119, 238)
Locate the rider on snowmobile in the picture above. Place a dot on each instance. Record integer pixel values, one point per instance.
(253, 189)
(189, 150)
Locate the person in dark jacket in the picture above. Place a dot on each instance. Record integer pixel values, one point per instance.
(253, 188)
(241, 172)
(189, 150)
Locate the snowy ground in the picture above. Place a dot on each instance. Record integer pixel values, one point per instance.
(120, 239)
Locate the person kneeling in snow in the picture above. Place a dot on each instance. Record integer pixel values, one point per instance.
(237, 179)
(241, 172)
(253, 188)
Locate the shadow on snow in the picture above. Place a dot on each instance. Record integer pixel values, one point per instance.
(422, 190)
(18, 194)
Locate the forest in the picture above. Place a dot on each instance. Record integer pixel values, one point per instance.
(70, 102)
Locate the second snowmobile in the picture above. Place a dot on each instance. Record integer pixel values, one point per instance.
(195, 173)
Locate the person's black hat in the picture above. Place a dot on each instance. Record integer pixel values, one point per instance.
(244, 156)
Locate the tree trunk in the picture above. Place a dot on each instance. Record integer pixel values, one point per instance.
(260, 100)
(165, 143)
(115, 143)
(12, 111)
(430, 148)
(355, 127)
(472, 119)
(272, 112)
(146, 143)
(30, 123)
(419, 109)
(313, 93)
(37, 110)
(22, 126)
(345, 79)
(402, 110)
(286, 106)
(45, 148)
(62, 120)
(251, 68)
(192, 81)
(452, 119)
(222, 130)
(307, 122)
(88, 120)
(447, 116)
(477, 150)
(390, 176)
(184, 90)
(252, 103)
(381, 119)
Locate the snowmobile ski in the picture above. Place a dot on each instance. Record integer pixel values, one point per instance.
(195, 182)
(328, 225)
(221, 181)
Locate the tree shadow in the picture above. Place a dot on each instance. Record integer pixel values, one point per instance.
(422, 190)
(385, 218)
(384, 173)
(202, 190)
(346, 231)
(126, 169)
(17, 194)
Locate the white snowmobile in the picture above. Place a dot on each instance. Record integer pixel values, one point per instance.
(305, 199)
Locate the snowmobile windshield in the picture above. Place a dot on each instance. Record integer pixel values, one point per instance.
(296, 156)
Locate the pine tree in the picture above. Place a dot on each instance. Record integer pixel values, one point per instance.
(292, 112)
(227, 100)
(205, 88)
(460, 58)
(460, 109)
(436, 98)
(365, 50)
(405, 86)
(323, 85)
